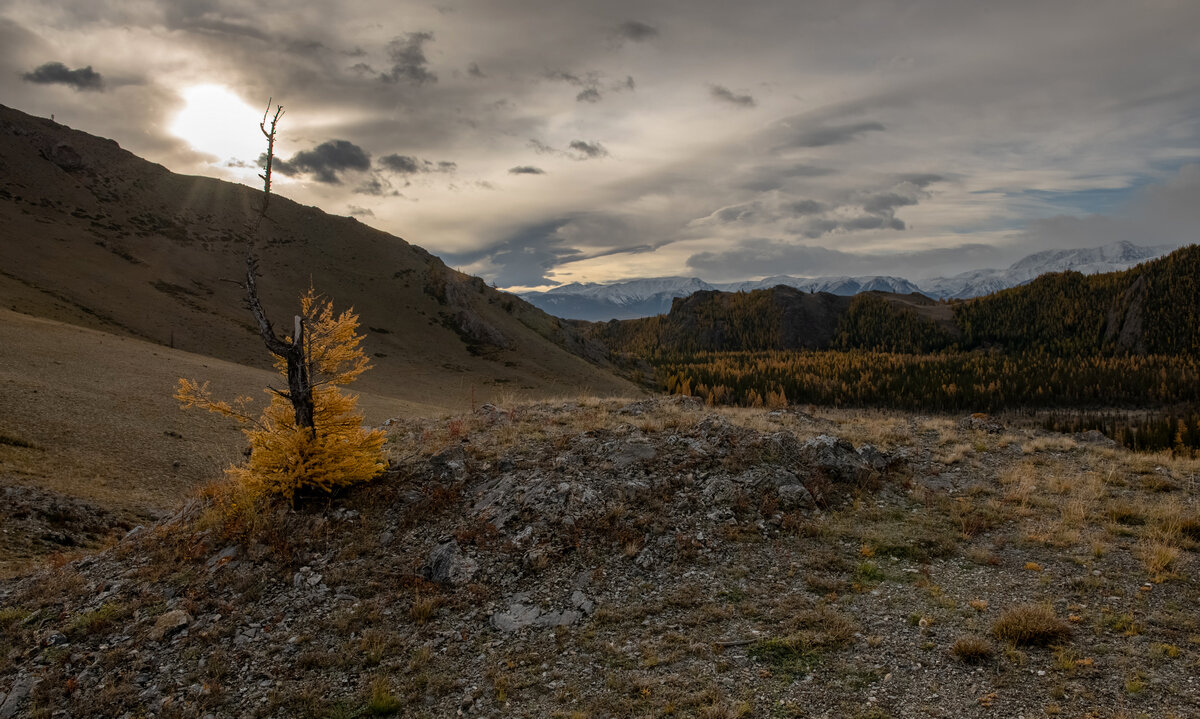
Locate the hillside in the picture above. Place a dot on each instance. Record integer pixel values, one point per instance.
(91, 439)
(646, 297)
(93, 235)
(1151, 308)
(650, 559)
(779, 318)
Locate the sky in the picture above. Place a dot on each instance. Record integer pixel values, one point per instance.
(541, 142)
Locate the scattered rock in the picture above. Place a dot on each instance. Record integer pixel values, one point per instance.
(168, 624)
(448, 565)
(980, 422)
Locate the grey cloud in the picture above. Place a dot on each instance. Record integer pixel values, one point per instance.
(376, 186)
(724, 94)
(409, 63)
(886, 202)
(1164, 213)
(542, 148)
(207, 18)
(409, 165)
(738, 213)
(637, 31)
(474, 71)
(325, 161)
(805, 207)
(527, 255)
(56, 73)
(526, 170)
(770, 177)
(872, 222)
(760, 257)
(921, 180)
(356, 211)
(588, 150)
(824, 136)
(590, 83)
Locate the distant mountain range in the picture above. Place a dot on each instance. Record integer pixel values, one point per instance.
(653, 296)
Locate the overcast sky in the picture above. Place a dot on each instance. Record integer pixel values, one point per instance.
(540, 142)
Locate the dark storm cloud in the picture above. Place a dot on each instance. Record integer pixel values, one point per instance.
(325, 161)
(588, 150)
(637, 31)
(409, 63)
(56, 73)
(409, 165)
(724, 94)
(526, 170)
(824, 136)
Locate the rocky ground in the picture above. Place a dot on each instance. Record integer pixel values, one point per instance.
(603, 559)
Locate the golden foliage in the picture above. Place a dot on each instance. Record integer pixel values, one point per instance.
(284, 458)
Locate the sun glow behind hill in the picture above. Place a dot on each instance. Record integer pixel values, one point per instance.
(217, 122)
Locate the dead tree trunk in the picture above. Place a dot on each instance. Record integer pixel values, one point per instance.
(299, 376)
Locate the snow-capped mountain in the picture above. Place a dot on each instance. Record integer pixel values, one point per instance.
(644, 297)
(652, 296)
(1090, 260)
(833, 285)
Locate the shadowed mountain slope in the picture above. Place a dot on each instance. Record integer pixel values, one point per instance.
(92, 235)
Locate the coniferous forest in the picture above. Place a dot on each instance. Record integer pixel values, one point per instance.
(1067, 342)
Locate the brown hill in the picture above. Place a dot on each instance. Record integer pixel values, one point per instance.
(92, 235)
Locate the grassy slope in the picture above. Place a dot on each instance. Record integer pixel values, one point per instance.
(119, 244)
(98, 407)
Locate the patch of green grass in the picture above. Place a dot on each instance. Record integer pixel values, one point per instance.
(383, 702)
(812, 634)
(96, 621)
(868, 571)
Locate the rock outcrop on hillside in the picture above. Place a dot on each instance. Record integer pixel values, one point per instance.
(607, 560)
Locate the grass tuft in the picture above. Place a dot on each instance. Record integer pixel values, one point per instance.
(1031, 625)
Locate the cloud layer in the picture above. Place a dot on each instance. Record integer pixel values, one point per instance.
(536, 142)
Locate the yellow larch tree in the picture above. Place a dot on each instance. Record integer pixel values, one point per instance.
(287, 456)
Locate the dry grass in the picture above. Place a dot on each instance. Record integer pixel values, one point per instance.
(1034, 625)
(972, 649)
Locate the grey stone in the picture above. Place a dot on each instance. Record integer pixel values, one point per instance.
(168, 624)
(632, 452)
(448, 565)
(794, 496)
(517, 616)
(21, 688)
(580, 601)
